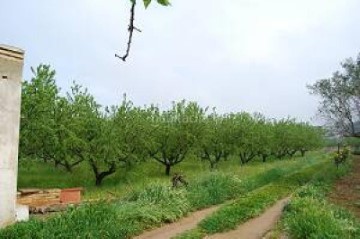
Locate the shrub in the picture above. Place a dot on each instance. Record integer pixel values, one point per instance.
(213, 189)
(341, 156)
(95, 221)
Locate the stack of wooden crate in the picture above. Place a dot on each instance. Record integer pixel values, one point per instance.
(38, 197)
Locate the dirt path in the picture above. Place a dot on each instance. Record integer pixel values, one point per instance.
(257, 227)
(173, 229)
(346, 191)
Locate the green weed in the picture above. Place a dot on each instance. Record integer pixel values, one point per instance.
(309, 215)
(150, 205)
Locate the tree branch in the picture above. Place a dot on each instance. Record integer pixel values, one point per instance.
(131, 31)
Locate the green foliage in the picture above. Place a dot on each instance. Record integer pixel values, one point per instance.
(354, 143)
(35, 173)
(107, 220)
(228, 217)
(291, 137)
(192, 234)
(341, 156)
(38, 125)
(173, 133)
(73, 129)
(151, 206)
(311, 218)
(309, 215)
(216, 141)
(164, 2)
(246, 135)
(340, 98)
(147, 3)
(161, 2)
(255, 201)
(213, 189)
(69, 225)
(157, 193)
(154, 205)
(234, 186)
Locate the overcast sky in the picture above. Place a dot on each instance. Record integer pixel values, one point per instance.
(252, 55)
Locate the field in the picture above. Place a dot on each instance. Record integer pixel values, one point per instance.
(237, 165)
(35, 173)
(143, 199)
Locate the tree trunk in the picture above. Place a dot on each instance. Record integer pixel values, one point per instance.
(212, 165)
(100, 177)
(68, 167)
(303, 153)
(242, 160)
(57, 163)
(99, 180)
(65, 165)
(264, 157)
(167, 169)
(291, 153)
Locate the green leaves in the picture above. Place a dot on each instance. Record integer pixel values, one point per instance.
(39, 98)
(161, 2)
(340, 97)
(71, 128)
(173, 133)
(147, 3)
(164, 2)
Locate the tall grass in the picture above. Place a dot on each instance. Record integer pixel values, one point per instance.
(230, 216)
(35, 173)
(151, 206)
(253, 203)
(310, 215)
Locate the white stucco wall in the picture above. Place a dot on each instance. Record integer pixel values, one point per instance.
(11, 65)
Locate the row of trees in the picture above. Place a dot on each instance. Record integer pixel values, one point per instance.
(72, 129)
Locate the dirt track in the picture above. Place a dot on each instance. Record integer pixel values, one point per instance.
(345, 192)
(257, 227)
(171, 230)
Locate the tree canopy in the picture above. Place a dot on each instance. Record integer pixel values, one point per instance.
(340, 98)
(71, 129)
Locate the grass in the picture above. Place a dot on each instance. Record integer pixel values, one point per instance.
(230, 216)
(313, 217)
(156, 203)
(310, 215)
(254, 203)
(35, 173)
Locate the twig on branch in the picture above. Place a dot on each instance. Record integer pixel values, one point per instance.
(131, 31)
(137, 29)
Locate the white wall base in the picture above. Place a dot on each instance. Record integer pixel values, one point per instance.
(22, 213)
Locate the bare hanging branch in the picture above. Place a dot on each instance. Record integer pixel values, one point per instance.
(131, 31)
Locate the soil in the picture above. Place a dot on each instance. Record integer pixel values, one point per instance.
(258, 227)
(253, 229)
(173, 229)
(346, 191)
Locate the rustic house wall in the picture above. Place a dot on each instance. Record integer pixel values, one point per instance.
(11, 65)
